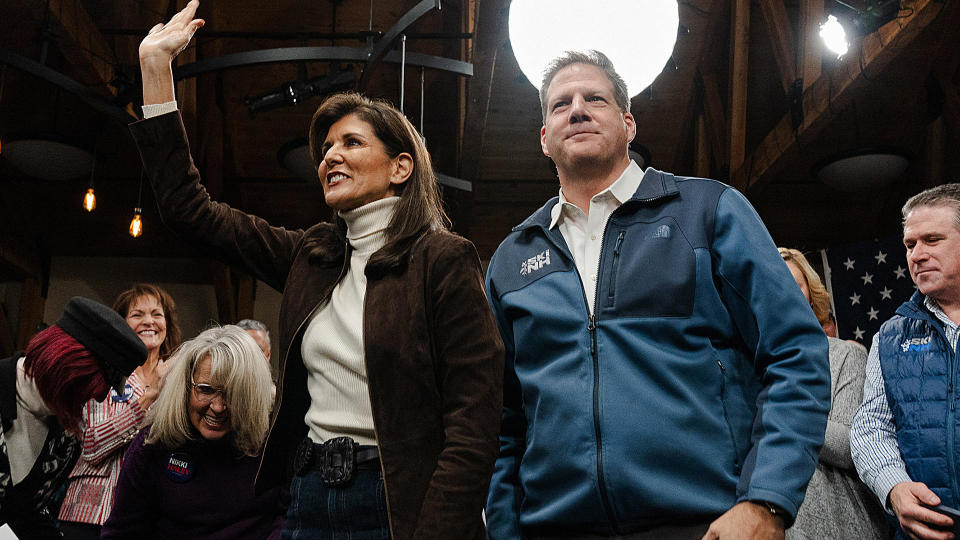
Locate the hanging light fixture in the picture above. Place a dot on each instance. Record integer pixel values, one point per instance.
(541, 30)
(90, 199)
(136, 224)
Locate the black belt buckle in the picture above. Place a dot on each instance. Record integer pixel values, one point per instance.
(338, 461)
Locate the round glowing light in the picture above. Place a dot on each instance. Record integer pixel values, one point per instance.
(637, 36)
(834, 36)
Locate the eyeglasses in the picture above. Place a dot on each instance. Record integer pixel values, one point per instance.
(205, 392)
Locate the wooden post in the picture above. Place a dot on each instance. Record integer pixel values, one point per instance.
(810, 60)
(739, 51)
(701, 164)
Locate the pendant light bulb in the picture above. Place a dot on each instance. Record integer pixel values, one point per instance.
(89, 200)
(136, 226)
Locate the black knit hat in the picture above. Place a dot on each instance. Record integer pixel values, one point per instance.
(104, 333)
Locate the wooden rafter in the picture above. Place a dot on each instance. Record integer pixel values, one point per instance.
(490, 36)
(781, 37)
(832, 92)
(716, 121)
(81, 42)
(671, 101)
(809, 59)
(739, 56)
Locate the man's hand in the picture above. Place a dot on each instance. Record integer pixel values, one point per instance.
(746, 520)
(917, 521)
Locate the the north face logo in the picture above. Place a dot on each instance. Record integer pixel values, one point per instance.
(535, 263)
(662, 231)
(916, 344)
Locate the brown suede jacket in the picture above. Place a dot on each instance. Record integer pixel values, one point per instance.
(433, 353)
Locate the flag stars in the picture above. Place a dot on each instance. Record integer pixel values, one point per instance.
(849, 263)
(872, 313)
(885, 293)
(881, 257)
(900, 272)
(867, 278)
(858, 334)
(855, 299)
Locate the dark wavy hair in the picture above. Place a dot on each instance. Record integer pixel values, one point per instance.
(66, 374)
(128, 297)
(420, 207)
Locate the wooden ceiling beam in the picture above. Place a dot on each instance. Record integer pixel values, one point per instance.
(737, 97)
(830, 94)
(490, 37)
(809, 57)
(716, 121)
(701, 21)
(781, 38)
(81, 42)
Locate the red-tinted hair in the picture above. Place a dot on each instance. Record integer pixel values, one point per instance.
(66, 374)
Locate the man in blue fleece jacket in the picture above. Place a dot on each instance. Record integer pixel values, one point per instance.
(665, 377)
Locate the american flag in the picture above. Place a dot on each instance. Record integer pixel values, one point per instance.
(867, 282)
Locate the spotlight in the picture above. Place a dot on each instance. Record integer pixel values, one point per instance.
(834, 36)
(847, 20)
(294, 92)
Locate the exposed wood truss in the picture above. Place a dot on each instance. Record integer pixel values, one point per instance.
(832, 91)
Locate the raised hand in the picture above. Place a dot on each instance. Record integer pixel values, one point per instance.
(162, 44)
(165, 41)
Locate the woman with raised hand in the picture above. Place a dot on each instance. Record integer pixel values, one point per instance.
(190, 473)
(109, 425)
(389, 398)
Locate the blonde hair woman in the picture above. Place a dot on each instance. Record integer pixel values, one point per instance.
(837, 503)
(191, 473)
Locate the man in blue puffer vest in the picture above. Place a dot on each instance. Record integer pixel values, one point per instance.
(664, 373)
(905, 435)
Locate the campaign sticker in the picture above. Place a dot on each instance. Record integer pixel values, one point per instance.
(122, 398)
(180, 467)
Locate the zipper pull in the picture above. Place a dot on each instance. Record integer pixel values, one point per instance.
(592, 326)
(723, 369)
(616, 250)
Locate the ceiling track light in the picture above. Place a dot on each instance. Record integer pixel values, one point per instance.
(846, 21)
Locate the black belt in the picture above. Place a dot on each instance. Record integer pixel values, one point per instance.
(336, 459)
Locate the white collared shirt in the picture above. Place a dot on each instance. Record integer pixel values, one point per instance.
(583, 232)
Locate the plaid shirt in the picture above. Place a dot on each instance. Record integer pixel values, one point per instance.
(109, 426)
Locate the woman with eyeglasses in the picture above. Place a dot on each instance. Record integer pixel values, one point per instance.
(190, 474)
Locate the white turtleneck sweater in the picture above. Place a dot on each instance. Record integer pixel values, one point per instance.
(332, 346)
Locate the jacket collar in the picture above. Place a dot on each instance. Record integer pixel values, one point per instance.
(915, 308)
(654, 187)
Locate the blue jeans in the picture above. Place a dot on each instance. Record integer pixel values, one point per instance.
(357, 511)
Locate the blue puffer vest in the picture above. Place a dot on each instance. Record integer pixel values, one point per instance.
(919, 368)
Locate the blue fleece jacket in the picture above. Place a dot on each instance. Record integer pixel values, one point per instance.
(701, 380)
